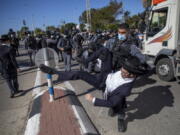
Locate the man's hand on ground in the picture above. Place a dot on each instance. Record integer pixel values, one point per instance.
(89, 97)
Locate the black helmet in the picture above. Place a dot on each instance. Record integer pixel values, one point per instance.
(133, 65)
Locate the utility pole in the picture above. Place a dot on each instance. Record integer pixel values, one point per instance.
(88, 14)
(33, 24)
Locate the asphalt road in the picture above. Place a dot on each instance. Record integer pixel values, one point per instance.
(153, 108)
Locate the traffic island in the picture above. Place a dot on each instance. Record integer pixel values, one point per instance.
(57, 118)
(64, 116)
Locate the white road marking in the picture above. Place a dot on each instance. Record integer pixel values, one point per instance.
(32, 127)
(37, 84)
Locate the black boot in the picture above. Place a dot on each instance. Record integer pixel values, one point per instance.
(47, 69)
(121, 125)
(12, 94)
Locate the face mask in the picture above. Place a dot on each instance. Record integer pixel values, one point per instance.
(121, 36)
(52, 36)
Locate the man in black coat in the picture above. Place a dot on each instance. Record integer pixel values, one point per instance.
(116, 86)
(9, 66)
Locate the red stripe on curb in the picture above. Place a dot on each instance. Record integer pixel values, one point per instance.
(57, 118)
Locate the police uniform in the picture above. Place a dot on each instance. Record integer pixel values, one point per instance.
(65, 43)
(123, 49)
(30, 45)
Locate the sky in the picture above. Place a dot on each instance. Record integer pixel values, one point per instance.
(50, 12)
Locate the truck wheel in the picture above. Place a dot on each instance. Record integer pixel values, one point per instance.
(164, 69)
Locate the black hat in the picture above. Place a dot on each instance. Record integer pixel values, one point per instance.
(133, 65)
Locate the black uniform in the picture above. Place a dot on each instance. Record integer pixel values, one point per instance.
(14, 42)
(66, 44)
(97, 80)
(9, 70)
(30, 45)
(124, 49)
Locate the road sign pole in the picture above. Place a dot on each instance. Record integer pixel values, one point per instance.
(49, 77)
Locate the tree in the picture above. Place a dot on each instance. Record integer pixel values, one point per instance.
(137, 21)
(68, 27)
(101, 18)
(22, 31)
(146, 3)
(126, 15)
(38, 31)
(50, 28)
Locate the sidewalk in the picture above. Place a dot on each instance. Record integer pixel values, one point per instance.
(57, 118)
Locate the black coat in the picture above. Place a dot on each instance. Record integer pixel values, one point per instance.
(8, 65)
(66, 44)
(116, 97)
(105, 55)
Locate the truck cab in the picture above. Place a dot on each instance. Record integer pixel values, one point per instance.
(162, 38)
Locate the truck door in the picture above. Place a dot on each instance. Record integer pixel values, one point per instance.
(158, 31)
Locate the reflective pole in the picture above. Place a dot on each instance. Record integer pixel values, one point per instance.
(49, 76)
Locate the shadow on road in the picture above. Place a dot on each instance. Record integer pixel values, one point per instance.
(143, 81)
(149, 102)
(24, 92)
(71, 93)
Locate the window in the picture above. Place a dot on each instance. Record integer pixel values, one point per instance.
(158, 21)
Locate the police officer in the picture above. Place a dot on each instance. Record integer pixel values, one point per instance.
(125, 46)
(30, 45)
(111, 41)
(9, 66)
(65, 45)
(38, 42)
(52, 41)
(14, 42)
(78, 40)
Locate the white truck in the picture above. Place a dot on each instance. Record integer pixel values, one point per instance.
(162, 38)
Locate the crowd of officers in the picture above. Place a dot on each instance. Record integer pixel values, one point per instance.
(76, 45)
(73, 45)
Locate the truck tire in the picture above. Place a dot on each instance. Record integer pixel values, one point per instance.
(164, 69)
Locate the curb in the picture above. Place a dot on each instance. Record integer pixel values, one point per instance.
(33, 122)
(86, 124)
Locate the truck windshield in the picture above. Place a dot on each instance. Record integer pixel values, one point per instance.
(158, 21)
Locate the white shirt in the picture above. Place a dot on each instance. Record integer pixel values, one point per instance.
(113, 81)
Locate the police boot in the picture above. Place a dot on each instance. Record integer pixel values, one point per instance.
(121, 125)
(47, 69)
